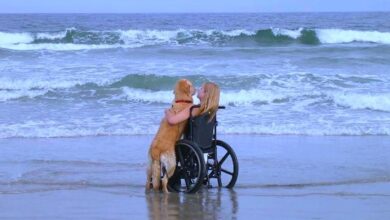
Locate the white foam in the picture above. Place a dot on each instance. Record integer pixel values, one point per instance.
(235, 33)
(142, 37)
(336, 36)
(137, 38)
(51, 129)
(87, 127)
(6, 95)
(54, 35)
(14, 38)
(26, 84)
(300, 129)
(333, 36)
(51, 36)
(286, 32)
(64, 47)
(31, 88)
(249, 97)
(379, 102)
(238, 97)
(328, 36)
(142, 95)
(150, 37)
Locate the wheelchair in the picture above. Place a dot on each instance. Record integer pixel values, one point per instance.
(202, 159)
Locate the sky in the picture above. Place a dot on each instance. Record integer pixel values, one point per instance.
(185, 6)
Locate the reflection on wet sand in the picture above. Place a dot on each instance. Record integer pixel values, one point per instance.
(207, 204)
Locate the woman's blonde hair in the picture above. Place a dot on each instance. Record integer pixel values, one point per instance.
(211, 100)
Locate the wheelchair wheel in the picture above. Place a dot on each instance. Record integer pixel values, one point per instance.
(190, 168)
(223, 166)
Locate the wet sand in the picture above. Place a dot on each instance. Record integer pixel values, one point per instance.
(281, 177)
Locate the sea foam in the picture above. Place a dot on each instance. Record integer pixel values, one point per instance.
(380, 102)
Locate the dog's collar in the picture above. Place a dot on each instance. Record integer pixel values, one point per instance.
(183, 101)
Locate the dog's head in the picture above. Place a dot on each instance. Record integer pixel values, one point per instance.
(184, 89)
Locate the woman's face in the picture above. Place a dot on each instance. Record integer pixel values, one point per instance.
(192, 89)
(200, 94)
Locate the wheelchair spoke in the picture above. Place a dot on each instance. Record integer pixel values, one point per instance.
(211, 174)
(188, 156)
(219, 181)
(187, 180)
(223, 159)
(227, 172)
(180, 157)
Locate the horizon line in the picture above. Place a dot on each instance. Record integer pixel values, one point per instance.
(227, 12)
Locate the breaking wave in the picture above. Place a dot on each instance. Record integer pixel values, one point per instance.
(151, 88)
(380, 102)
(74, 39)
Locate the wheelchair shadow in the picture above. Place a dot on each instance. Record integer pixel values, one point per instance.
(206, 204)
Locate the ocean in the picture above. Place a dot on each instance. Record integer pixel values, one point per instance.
(71, 75)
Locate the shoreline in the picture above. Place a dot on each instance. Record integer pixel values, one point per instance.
(222, 134)
(103, 177)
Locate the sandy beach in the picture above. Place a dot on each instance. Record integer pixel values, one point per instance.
(281, 177)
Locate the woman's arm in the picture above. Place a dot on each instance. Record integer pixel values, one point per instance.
(181, 116)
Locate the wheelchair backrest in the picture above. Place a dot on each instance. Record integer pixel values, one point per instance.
(201, 131)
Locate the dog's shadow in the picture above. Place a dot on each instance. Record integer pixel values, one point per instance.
(207, 204)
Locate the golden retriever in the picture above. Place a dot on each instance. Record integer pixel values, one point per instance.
(162, 150)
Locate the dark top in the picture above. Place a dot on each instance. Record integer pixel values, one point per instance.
(202, 130)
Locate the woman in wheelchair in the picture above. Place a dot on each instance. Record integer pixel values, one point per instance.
(208, 96)
(201, 158)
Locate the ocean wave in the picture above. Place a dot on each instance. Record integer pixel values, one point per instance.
(12, 89)
(14, 38)
(133, 80)
(254, 97)
(19, 88)
(301, 129)
(259, 89)
(31, 84)
(74, 39)
(234, 98)
(380, 102)
(141, 95)
(63, 47)
(11, 95)
(44, 129)
(53, 36)
(334, 36)
(57, 130)
(157, 82)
